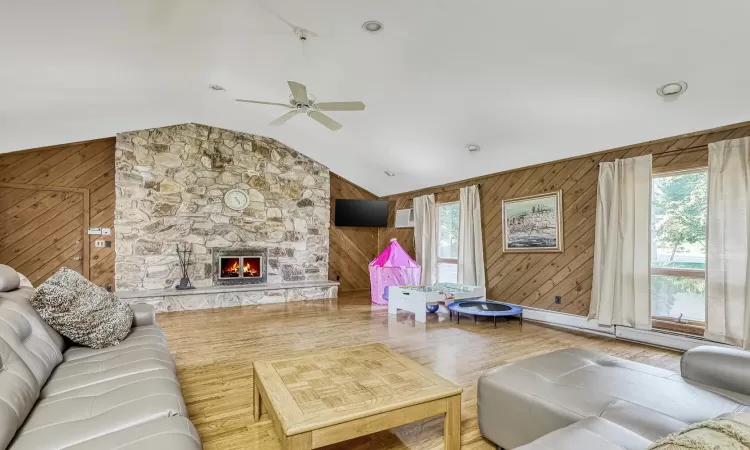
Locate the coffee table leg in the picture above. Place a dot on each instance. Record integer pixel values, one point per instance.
(298, 442)
(257, 406)
(452, 423)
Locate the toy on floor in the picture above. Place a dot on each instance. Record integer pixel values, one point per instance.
(421, 299)
(393, 267)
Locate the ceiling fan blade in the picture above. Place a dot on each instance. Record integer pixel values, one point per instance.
(264, 103)
(285, 118)
(325, 120)
(299, 92)
(340, 106)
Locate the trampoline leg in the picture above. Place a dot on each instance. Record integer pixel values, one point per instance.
(475, 319)
(520, 318)
(494, 321)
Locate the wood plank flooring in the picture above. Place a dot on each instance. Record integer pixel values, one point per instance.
(215, 349)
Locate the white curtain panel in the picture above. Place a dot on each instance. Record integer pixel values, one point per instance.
(470, 250)
(728, 290)
(621, 291)
(425, 237)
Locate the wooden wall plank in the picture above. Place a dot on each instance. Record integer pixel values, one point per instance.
(351, 248)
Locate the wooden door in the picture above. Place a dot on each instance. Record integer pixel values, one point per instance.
(43, 228)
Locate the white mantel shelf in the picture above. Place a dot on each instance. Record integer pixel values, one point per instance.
(225, 289)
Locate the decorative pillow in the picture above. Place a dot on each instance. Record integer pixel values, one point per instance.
(729, 431)
(9, 279)
(81, 311)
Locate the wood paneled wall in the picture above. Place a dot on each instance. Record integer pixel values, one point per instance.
(48, 196)
(43, 240)
(352, 248)
(535, 279)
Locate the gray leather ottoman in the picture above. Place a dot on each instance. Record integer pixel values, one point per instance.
(523, 401)
(590, 433)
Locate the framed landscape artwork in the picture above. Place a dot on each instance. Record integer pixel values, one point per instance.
(533, 223)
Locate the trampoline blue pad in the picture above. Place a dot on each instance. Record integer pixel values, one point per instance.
(485, 308)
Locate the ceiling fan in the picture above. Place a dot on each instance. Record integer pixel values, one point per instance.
(301, 103)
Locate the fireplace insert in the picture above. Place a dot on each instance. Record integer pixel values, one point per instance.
(240, 267)
(235, 266)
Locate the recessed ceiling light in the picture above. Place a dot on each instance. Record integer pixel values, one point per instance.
(472, 147)
(672, 89)
(389, 173)
(215, 87)
(373, 26)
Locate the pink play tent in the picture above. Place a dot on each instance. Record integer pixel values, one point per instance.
(393, 267)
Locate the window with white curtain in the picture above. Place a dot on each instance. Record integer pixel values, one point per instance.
(678, 251)
(447, 241)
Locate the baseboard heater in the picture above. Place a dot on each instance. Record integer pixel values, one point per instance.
(665, 339)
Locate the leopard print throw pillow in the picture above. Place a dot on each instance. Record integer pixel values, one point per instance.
(81, 311)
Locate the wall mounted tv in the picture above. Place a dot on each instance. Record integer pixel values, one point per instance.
(361, 213)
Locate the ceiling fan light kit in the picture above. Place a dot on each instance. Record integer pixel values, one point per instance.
(303, 103)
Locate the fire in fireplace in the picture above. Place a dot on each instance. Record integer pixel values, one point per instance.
(240, 267)
(251, 267)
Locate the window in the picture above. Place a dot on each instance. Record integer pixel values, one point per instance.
(678, 250)
(447, 222)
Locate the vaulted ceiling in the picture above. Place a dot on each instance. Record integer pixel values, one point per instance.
(528, 80)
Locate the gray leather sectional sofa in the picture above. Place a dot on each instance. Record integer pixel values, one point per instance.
(57, 396)
(574, 399)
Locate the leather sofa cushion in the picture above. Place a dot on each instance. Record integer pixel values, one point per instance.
(18, 392)
(137, 338)
(170, 433)
(88, 412)
(9, 278)
(23, 330)
(104, 367)
(523, 401)
(590, 433)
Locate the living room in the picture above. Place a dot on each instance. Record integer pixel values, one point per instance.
(293, 225)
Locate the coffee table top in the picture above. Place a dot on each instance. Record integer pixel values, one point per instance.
(328, 387)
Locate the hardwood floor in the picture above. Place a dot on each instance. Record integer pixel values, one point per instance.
(215, 349)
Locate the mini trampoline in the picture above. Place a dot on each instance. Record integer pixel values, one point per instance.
(485, 308)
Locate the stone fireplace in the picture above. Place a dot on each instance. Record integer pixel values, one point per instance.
(170, 187)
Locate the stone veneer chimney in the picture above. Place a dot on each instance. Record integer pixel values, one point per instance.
(170, 185)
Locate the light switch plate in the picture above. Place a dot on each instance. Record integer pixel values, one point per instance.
(99, 243)
(95, 231)
(107, 231)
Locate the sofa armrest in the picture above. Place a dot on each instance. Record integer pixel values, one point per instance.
(143, 314)
(721, 367)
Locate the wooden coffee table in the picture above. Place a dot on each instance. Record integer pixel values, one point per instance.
(325, 397)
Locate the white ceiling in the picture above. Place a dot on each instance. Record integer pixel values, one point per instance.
(528, 80)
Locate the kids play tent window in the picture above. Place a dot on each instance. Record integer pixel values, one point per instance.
(393, 267)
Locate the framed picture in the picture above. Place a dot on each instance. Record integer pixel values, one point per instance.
(533, 223)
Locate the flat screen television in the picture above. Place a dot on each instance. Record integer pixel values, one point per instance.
(361, 213)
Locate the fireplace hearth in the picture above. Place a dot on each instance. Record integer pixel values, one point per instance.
(239, 266)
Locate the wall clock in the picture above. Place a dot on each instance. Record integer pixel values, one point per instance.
(236, 199)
